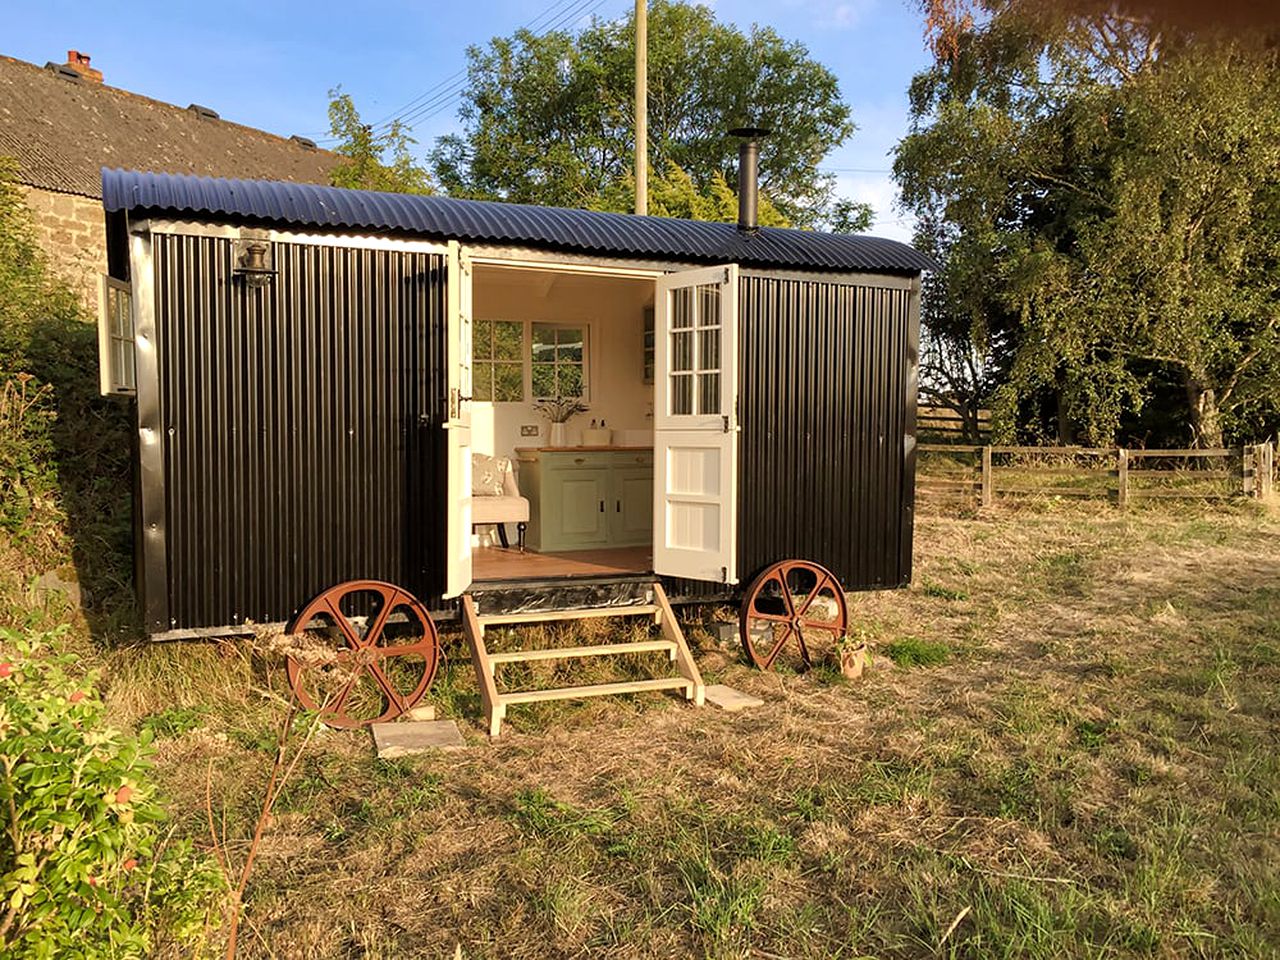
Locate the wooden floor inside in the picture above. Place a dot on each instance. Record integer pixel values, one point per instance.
(502, 563)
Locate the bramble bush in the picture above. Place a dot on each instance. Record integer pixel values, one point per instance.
(86, 870)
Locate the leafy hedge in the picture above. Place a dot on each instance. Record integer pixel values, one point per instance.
(86, 868)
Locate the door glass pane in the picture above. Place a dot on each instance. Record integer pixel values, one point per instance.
(682, 351)
(682, 307)
(681, 394)
(709, 349)
(709, 305)
(708, 393)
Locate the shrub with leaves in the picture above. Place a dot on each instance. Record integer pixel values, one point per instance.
(85, 867)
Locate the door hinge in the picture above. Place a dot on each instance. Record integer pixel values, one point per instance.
(726, 423)
(724, 574)
(728, 275)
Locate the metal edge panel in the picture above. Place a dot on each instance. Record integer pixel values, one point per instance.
(892, 281)
(233, 231)
(909, 433)
(154, 585)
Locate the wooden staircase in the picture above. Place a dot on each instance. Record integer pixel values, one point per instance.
(672, 643)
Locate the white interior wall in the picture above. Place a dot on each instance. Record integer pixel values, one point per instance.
(613, 311)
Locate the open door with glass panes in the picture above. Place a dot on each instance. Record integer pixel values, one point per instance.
(695, 425)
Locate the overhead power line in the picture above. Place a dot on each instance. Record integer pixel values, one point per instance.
(447, 92)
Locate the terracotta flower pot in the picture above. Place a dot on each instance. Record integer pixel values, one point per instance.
(853, 660)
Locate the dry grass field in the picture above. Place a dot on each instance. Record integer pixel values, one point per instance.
(1067, 746)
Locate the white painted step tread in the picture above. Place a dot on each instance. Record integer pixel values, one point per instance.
(583, 613)
(594, 690)
(597, 650)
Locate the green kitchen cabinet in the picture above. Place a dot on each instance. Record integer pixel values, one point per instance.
(631, 522)
(587, 497)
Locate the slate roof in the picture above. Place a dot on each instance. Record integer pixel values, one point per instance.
(63, 132)
(476, 221)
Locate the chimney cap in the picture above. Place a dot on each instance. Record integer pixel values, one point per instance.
(64, 70)
(750, 133)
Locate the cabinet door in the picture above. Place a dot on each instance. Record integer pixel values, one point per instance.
(578, 508)
(631, 519)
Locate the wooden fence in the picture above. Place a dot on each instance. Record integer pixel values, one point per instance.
(945, 424)
(1123, 476)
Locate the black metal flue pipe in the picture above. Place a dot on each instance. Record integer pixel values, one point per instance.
(749, 176)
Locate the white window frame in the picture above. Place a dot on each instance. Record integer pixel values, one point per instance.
(479, 363)
(585, 327)
(526, 354)
(117, 351)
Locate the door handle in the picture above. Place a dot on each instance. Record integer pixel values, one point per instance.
(618, 508)
(602, 506)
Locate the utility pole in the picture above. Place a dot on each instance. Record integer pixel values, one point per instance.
(642, 107)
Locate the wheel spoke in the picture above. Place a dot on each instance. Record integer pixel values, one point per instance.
(339, 705)
(777, 647)
(392, 693)
(374, 633)
(804, 648)
(345, 625)
(771, 617)
(813, 594)
(832, 626)
(423, 647)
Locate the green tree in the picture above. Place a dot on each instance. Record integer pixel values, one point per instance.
(673, 193)
(548, 119)
(372, 161)
(1102, 196)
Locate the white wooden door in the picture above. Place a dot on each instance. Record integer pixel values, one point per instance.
(695, 425)
(458, 425)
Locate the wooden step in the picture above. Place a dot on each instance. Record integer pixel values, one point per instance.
(673, 643)
(594, 690)
(599, 650)
(589, 613)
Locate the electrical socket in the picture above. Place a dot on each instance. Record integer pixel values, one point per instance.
(529, 430)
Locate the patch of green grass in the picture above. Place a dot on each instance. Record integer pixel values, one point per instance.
(937, 590)
(721, 905)
(175, 721)
(915, 652)
(1092, 734)
(540, 814)
(770, 845)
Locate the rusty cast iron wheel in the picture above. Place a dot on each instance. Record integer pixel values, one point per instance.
(390, 663)
(792, 602)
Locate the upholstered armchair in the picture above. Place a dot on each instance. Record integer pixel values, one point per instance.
(495, 498)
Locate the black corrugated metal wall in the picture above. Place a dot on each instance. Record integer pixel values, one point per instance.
(302, 425)
(826, 406)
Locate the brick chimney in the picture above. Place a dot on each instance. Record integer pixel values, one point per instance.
(79, 62)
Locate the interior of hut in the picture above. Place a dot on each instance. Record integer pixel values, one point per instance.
(585, 488)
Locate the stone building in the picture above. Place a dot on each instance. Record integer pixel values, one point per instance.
(62, 124)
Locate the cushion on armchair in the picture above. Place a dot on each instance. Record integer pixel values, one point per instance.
(488, 475)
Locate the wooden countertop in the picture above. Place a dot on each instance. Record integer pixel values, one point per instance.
(610, 448)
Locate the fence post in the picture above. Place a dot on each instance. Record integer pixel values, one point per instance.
(1122, 476)
(988, 480)
(1268, 451)
(1248, 470)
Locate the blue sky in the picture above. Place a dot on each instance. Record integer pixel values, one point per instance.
(270, 64)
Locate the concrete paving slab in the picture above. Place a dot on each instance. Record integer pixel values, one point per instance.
(727, 698)
(402, 739)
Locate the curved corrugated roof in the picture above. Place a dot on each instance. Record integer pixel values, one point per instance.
(479, 221)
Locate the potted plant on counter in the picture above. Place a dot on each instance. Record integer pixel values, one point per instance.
(558, 411)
